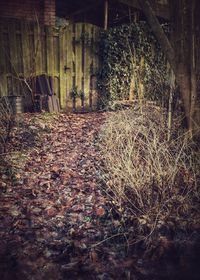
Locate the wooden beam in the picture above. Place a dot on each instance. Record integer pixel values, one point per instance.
(161, 10)
(159, 33)
(105, 14)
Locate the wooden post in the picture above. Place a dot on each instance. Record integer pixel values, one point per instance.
(105, 14)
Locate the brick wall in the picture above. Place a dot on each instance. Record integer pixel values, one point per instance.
(49, 12)
(44, 10)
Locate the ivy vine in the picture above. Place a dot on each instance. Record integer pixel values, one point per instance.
(131, 56)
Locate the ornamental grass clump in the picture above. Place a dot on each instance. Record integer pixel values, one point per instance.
(154, 183)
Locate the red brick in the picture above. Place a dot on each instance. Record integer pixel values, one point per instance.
(26, 9)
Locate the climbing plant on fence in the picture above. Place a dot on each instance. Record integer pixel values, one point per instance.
(133, 65)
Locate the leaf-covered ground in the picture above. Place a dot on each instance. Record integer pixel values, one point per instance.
(55, 221)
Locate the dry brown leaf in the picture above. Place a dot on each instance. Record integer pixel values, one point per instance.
(100, 212)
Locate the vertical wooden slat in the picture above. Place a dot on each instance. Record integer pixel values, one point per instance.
(82, 68)
(74, 87)
(10, 87)
(31, 51)
(3, 84)
(91, 66)
(95, 67)
(69, 67)
(38, 48)
(56, 55)
(6, 48)
(19, 65)
(12, 84)
(87, 65)
(49, 51)
(44, 51)
(50, 64)
(96, 41)
(56, 68)
(56, 86)
(62, 51)
(78, 63)
(25, 48)
(32, 59)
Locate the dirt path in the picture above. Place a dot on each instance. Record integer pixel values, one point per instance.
(53, 213)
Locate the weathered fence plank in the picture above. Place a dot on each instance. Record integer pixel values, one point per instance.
(38, 48)
(69, 66)
(95, 67)
(87, 66)
(3, 82)
(50, 62)
(78, 65)
(12, 80)
(25, 48)
(63, 57)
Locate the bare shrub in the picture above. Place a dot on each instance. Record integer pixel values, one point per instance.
(6, 122)
(153, 182)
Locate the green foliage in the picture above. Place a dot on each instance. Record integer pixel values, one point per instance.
(129, 51)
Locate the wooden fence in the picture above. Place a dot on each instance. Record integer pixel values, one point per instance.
(68, 54)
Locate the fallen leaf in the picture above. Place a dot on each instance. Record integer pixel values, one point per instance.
(100, 212)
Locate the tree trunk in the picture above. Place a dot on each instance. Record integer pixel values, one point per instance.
(193, 125)
(182, 57)
(184, 46)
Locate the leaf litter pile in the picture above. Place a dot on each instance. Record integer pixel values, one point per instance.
(57, 220)
(54, 218)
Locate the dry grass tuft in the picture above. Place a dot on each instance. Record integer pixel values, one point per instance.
(6, 122)
(153, 183)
